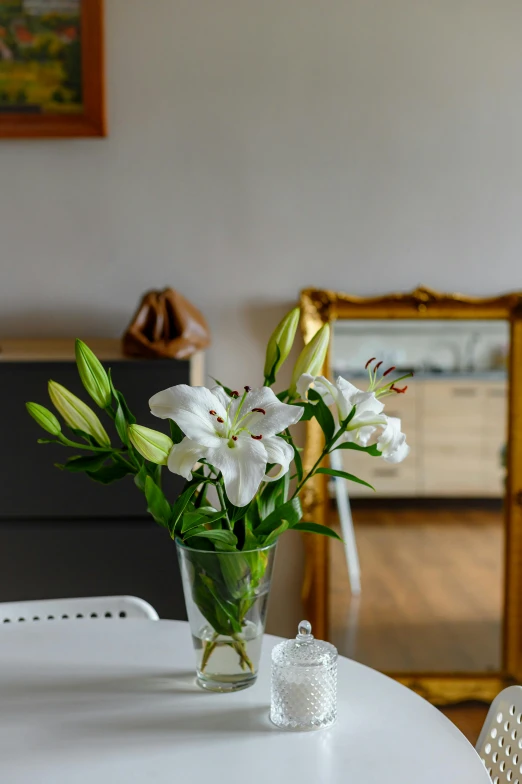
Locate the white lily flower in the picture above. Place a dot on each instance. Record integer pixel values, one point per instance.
(368, 409)
(237, 435)
(392, 442)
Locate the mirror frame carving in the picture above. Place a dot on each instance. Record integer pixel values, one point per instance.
(321, 306)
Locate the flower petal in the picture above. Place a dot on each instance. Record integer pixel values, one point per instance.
(392, 442)
(363, 434)
(304, 384)
(183, 456)
(190, 408)
(243, 466)
(328, 391)
(399, 454)
(271, 418)
(221, 395)
(279, 452)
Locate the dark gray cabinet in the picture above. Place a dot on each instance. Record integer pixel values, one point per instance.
(62, 534)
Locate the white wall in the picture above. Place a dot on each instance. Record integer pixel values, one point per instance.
(258, 146)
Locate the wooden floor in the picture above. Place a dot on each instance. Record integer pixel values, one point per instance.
(431, 595)
(431, 590)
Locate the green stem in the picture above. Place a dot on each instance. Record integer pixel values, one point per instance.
(240, 648)
(219, 488)
(121, 459)
(210, 646)
(312, 471)
(65, 442)
(326, 450)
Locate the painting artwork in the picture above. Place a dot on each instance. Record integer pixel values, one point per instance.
(51, 70)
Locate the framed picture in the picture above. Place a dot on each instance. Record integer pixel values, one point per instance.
(51, 68)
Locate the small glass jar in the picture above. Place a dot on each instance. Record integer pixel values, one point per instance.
(304, 682)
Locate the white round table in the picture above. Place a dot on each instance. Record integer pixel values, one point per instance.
(114, 702)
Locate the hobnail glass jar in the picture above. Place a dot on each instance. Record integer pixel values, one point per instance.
(304, 682)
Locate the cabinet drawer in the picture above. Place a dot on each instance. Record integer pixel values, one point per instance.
(456, 487)
(452, 460)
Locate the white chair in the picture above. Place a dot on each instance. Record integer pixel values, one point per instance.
(500, 741)
(347, 529)
(88, 607)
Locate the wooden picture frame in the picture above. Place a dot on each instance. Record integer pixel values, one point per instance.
(91, 121)
(320, 306)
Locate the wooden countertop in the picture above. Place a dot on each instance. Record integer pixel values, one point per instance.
(57, 349)
(62, 350)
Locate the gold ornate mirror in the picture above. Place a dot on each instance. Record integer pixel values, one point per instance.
(437, 550)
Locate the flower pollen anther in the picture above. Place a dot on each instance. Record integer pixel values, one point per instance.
(235, 393)
(212, 412)
(259, 410)
(234, 438)
(369, 362)
(377, 366)
(257, 438)
(390, 370)
(398, 389)
(247, 389)
(220, 419)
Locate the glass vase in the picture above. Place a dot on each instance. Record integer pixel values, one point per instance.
(226, 595)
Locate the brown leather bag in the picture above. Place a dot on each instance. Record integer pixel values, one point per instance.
(165, 325)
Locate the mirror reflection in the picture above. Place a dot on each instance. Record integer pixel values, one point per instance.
(419, 584)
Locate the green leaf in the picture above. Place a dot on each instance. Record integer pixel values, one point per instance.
(157, 504)
(176, 433)
(308, 411)
(349, 418)
(108, 474)
(315, 528)
(344, 475)
(197, 518)
(282, 395)
(209, 511)
(82, 434)
(291, 512)
(140, 478)
(129, 416)
(235, 513)
(192, 520)
(270, 539)
(121, 425)
(252, 516)
(227, 537)
(323, 415)
(371, 450)
(271, 495)
(86, 463)
(297, 457)
(251, 542)
(228, 608)
(120, 419)
(227, 389)
(181, 504)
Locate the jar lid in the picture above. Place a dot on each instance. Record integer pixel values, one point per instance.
(304, 651)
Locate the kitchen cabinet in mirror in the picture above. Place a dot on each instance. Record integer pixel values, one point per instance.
(427, 585)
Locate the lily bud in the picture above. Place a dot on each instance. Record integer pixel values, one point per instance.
(151, 444)
(281, 342)
(77, 414)
(93, 375)
(45, 418)
(311, 359)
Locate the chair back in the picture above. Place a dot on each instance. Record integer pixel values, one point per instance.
(85, 607)
(500, 741)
